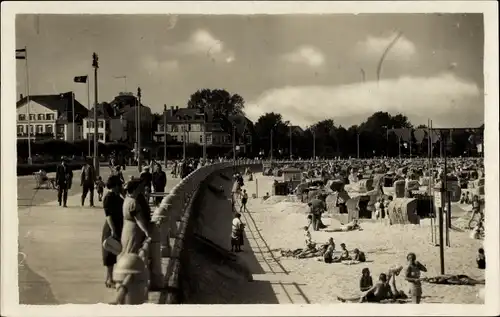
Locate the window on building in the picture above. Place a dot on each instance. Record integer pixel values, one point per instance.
(174, 137)
(39, 128)
(90, 136)
(100, 136)
(100, 124)
(175, 128)
(49, 116)
(32, 129)
(182, 138)
(209, 138)
(22, 117)
(201, 138)
(160, 128)
(60, 128)
(32, 117)
(20, 129)
(189, 127)
(41, 116)
(48, 128)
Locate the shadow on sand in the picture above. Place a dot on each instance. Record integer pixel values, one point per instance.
(217, 276)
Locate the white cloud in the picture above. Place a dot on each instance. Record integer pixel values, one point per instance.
(446, 99)
(308, 55)
(373, 47)
(202, 42)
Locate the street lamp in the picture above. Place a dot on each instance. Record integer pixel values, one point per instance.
(139, 159)
(314, 143)
(95, 65)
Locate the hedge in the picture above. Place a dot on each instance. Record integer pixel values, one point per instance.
(26, 169)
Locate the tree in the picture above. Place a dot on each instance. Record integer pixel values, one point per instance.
(265, 124)
(219, 101)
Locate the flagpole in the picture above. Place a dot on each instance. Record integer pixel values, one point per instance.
(73, 114)
(88, 105)
(28, 103)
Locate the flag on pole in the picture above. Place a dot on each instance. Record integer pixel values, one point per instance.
(81, 79)
(21, 53)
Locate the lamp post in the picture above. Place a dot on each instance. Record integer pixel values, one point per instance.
(165, 135)
(139, 150)
(95, 65)
(357, 143)
(314, 144)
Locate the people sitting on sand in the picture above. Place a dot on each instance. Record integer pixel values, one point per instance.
(462, 199)
(481, 259)
(467, 198)
(378, 292)
(310, 246)
(366, 281)
(328, 253)
(344, 255)
(359, 256)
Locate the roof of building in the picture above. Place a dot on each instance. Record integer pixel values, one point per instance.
(59, 102)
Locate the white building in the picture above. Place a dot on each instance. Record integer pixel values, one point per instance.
(50, 116)
(108, 129)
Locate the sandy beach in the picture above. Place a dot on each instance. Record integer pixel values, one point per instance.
(275, 224)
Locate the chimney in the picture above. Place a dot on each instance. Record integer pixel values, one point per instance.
(21, 96)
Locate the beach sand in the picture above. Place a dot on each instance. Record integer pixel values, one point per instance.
(276, 224)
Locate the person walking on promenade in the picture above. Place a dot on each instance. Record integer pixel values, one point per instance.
(113, 210)
(135, 224)
(87, 180)
(159, 182)
(64, 178)
(147, 179)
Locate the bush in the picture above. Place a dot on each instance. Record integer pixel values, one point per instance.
(26, 169)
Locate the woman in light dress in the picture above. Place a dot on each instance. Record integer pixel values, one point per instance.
(135, 226)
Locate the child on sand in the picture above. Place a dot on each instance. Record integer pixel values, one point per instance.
(481, 259)
(366, 281)
(99, 184)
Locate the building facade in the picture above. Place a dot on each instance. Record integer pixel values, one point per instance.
(188, 125)
(108, 129)
(50, 117)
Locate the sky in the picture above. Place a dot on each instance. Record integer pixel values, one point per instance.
(306, 67)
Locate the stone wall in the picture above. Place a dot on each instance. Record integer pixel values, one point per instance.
(173, 218)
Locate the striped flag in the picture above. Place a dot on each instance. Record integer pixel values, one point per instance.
(21, 53)
(81, 79)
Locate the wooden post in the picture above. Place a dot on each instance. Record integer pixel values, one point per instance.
(256, 187)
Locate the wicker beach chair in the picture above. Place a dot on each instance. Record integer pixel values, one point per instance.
(43, 181)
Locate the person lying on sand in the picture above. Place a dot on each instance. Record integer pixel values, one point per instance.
(266, 196)
(353, 225)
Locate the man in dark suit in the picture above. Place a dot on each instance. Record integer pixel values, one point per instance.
(64, 177)
(87, 181)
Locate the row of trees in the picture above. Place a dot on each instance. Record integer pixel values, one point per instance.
(377, 136)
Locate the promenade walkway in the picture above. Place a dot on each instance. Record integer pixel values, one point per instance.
(60, 254)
